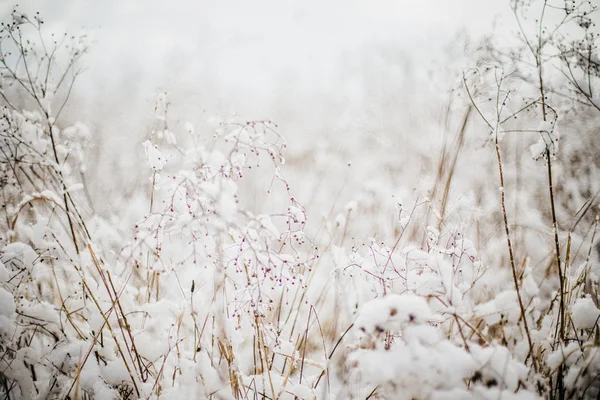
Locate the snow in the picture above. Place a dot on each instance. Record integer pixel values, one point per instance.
(585, 314)
(3, 273)
(505, 305)
(7, 305)
(530, 286)
(377, 265)
(562, 355)
(156, 160)
(75, 187)
(392, 312)
(189, 127)
(49, 195)
(298, 215)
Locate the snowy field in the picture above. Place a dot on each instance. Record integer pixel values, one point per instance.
(299, 200)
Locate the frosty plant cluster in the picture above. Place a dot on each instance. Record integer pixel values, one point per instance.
(203, 298)
(521, 99)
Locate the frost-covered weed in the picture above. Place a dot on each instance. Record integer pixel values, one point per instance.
(204, 298)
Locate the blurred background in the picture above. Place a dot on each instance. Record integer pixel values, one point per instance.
(368, 95)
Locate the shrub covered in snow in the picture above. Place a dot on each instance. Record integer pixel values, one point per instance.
(205, 297)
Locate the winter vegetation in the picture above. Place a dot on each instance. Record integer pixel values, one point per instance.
(463, 264)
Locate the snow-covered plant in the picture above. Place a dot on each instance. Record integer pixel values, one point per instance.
(432, 308)
(43, 230)
(213, 294)
(528, 98)
(209, 273)
(423, 363)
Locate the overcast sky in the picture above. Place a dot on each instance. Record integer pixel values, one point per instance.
(323, 70)
(243, 49)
